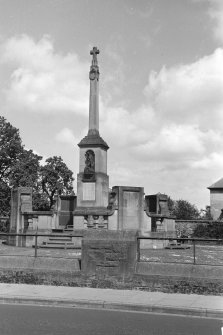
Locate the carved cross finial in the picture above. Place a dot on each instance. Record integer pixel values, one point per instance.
(94, 52)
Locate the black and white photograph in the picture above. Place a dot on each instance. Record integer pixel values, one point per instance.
(111, 167)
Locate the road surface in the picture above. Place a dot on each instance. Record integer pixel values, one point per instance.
(44, 320)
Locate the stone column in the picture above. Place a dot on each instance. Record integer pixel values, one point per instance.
(94, 94)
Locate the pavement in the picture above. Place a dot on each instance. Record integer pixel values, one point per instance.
(128, 300)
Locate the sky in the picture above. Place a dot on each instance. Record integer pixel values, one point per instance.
(161, 86)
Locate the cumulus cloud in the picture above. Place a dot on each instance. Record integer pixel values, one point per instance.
(187, 93)
(43, 80)
(182, 119)
(173, 137)
(176, 137)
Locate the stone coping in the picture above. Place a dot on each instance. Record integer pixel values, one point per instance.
(50, 213)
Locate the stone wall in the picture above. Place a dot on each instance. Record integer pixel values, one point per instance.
(185, 228)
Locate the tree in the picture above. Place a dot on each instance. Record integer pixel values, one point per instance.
(56, 178)
(21, 167)
(206, 213)
(10, 148)
(25, 171)
(183, 210)
(5, 196)
(170, 204)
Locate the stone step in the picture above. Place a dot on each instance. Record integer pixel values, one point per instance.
(58, 246)
(58, 242)
(58, 238)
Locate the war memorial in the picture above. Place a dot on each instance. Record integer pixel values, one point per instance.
(110, 224)
(96, 205)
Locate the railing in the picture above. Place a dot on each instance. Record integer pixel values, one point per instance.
(35, 244)
(190, 251)
(197, 251)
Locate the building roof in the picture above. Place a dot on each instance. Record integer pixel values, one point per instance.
(217, 184)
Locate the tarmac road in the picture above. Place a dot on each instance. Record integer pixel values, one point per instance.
(46, 320)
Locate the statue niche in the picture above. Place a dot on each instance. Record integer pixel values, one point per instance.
(89, 170)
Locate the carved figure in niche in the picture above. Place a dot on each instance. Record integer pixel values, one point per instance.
(89, 162)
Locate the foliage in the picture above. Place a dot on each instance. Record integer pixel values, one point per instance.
(5, 196)
(183, 210)
(56, 178)
(10, 148)
(21, 167)
(211, 230)
(25, 171)
(206, 213)
(170, 204)
(4, 225)
(185, 229)
(40, 201)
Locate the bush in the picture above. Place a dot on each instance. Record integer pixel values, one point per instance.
(211, 230)
(4, 225)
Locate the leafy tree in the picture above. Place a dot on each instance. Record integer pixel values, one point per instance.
(56, 178)
(40, 201)
(10, 148)
(21, 167)
(25, 171)
(206, 213)
(211, 230)
(5, 196)
(170, 203)
(184, 210)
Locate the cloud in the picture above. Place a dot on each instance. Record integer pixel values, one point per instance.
(215, 12)
(43, 80)
(182, 120)
(187, 93)
(176, 137)
(173, 141)
(114, 82)
(66, 136)
(215, 159)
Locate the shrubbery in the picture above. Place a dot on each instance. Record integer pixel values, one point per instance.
(210, 230)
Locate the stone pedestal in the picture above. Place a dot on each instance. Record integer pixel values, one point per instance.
(21, 201)
(130, 207)
(107, 254)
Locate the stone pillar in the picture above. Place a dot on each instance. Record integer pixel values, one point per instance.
(130, 207)
(21, 201)
(92, 179)
(94, 93)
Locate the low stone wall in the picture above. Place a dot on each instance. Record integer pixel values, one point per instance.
(185, 228)
(43, 263)
(180, 270)
(178, 284)
(147, 281)
(109, 261)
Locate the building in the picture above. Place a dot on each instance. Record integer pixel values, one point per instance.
(216, 198)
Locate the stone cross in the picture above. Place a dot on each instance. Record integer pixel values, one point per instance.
(94, 52)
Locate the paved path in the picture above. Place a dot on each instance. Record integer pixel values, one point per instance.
(157, 302)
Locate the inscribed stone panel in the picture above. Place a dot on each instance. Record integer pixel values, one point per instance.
(88, 191)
